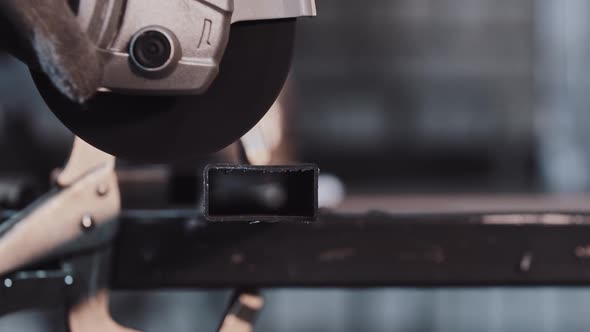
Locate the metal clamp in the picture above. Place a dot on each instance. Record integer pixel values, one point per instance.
(75, 220)
(88, 196)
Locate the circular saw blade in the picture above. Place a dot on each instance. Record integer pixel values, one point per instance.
(171, 128)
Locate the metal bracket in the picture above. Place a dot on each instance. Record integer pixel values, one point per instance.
(89, 304)
(92, 315)
(88, 196)
(78, 216)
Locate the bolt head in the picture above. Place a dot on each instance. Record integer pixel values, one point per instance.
(87, 222)
(69, 280)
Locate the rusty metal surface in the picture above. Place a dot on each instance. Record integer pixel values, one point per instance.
(354, 250)
(466, 203)
(180, 249)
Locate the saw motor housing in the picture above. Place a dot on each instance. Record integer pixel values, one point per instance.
(171, 47)
(182, 78)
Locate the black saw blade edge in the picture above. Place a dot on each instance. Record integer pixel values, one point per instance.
(159, 129)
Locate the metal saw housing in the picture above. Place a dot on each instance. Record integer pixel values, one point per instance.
(232, 59)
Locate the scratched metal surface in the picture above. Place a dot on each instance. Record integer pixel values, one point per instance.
(466, 203)
(375, 249)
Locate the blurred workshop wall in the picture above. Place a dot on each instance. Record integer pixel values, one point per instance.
(421, 93)
(563, 117)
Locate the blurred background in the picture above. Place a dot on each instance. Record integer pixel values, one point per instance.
(415, 106)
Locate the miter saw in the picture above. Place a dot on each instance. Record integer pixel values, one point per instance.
(182, 79)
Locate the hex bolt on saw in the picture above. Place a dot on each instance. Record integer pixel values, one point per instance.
(182, 78)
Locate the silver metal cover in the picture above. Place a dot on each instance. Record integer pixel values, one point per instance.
(201, 27)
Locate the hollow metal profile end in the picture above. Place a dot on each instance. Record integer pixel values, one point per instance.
(261, 193)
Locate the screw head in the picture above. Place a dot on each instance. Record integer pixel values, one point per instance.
(87, 222)
(69, 280)
(526, 262)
